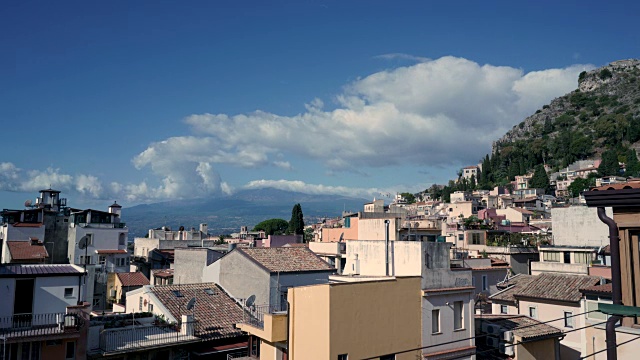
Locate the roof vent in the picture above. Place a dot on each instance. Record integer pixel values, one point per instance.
(177, 293)
(209, 291)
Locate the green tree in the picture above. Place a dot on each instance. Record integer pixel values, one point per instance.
(579, 185)
(609, 165)
(409, 197)
(272, 226)
(540, 179)
(308, 234)
(296, 224)
(632, 167)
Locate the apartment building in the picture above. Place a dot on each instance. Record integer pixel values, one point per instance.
(41, 312)
(349, 318)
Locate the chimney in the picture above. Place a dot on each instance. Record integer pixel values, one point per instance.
(34, 240)
(186, 328)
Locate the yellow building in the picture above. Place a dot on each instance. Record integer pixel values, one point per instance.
(351, 318)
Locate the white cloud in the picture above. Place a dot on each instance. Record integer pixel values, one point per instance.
(401, 56)
(442, 112)
(434, 113)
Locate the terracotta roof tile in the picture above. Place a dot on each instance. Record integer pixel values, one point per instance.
(19, 224)
(216, 314)
(25, 250)
(600, 289)
(557, 287)
(287, 259)
(163, 273)
(133, 279)
(522, 326)
(512, 286)
(619, 186)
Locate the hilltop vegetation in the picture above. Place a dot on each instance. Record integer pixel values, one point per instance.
(600, 119)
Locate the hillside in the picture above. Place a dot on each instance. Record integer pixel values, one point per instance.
(601, 117)
(226, 214)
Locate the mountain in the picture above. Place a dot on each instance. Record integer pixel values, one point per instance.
(602, 116)
(225, 214)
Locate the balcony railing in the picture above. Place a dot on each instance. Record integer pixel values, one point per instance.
(243, 354)
(146, 336)
(25, 325)
(102, 225)
(254, 315)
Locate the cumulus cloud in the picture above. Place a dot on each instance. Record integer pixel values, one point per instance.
(441, 112)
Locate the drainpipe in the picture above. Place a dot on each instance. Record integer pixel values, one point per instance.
(386, 247)
(616, 282)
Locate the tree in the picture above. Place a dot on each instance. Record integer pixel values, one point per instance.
(579, 185)
(296, 224)
(308, 234)
(609, 165)
(409, 197)
(272, 226)
(632, 167)
(540, 179)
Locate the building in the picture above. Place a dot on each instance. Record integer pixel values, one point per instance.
(25, 252)
(564, 259)
(161, 277)
(469, 171)
(173, 321)
(39, 313)
(516, 337)
(267, 273)
(624, 199)
(548, 297)
(447, 295)
(579, 226)
(190, 264)
(503, 302)
(349, 318)
(118, 284)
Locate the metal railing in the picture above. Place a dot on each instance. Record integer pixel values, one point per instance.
(147, 336)
(23, 325)
(254, 315)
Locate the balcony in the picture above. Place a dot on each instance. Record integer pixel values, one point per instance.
(29, 325)
(140, 337)
(539, 267)
(328, 248)
(120, 225)
(267, 322)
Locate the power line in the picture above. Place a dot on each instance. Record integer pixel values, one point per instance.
(479, 336)
(605, 349)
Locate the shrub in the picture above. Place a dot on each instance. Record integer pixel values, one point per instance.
(605, 74)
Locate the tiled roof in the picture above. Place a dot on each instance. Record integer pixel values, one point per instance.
(287, 259)
(39, 270)
(24, 250)
(106, 252)
(606, 289)
(606, 250)
(163, 273)
(619, 186)
(19, 224)
(133, 279)
(512, 286)
(215, 314)
(522, 326)
(557, 287)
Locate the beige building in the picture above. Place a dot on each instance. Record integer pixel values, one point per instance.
(564, 260)
(356, 318)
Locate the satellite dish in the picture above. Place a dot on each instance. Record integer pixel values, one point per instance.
(27, 203)
(341, 236)
(82, 244)
(191, 303)
(250, 301)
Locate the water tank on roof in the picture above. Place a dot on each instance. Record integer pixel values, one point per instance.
(505, 222)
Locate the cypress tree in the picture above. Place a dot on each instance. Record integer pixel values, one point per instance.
(296, 224)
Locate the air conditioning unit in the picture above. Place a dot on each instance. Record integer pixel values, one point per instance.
(490, 329)
(507, 336)
(507, 349)
(493, 341)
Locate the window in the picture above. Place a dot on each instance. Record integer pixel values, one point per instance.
(140, 304)
(458, 307)
(460, 237)
(121, 239)
(102, 260)
(68, 292)
(70, 352)
(343, 357)
(388, 357)
(476, 239)
(89, 239)
(503, 309)
(435, 321)
(581, 258)
(533, 312)
(485, 284)
(347, 222)
(568, 319)
(551, 256)
(96, 302)
(150, 307)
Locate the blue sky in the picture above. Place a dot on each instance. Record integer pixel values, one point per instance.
(152, 101)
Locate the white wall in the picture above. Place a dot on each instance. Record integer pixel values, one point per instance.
(444, 303)
(367, 257)
(579, 226)
(103, 239)
(48, 294)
